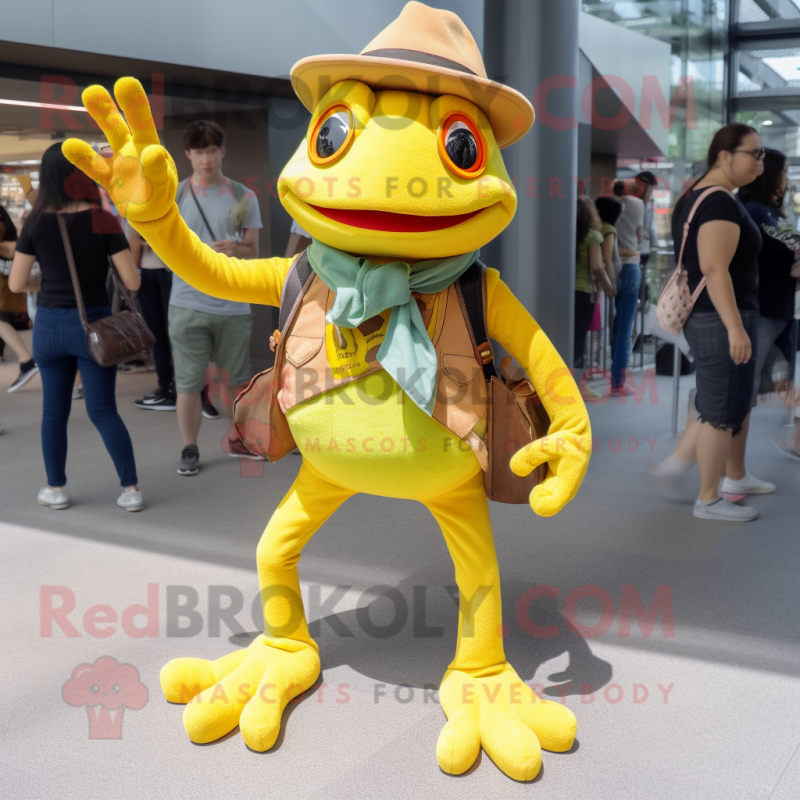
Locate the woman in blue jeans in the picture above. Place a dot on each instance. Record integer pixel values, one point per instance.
(59, 342)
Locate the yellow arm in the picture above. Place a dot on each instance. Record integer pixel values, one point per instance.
(568, 446)
(141, 179)
(257, 280)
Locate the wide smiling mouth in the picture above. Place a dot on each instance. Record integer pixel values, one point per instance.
(391, 222)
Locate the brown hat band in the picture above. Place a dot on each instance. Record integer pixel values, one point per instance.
(420, 58)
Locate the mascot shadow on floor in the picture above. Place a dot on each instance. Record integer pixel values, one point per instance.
(404, 635)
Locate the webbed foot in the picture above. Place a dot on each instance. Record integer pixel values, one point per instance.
(494, 709)
(249, 688)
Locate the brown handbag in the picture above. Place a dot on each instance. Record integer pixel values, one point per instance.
(118, 337)
(516, 418)
(515, 414)
(257, 415)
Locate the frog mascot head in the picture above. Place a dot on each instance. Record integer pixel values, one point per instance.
(402, 157)
(399, 181)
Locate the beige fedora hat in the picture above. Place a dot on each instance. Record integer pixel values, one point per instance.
(425, 50)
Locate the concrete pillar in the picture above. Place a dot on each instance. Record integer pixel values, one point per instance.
(525, 43)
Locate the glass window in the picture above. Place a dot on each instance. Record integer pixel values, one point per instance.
(774, 71)
(768, 93)
(778, 129)
(697, 32)
(765, 10)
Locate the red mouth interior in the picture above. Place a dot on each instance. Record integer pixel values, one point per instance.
(395, 223)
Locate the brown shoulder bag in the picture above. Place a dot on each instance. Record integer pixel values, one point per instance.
(257, 415)
(516, 416)
(119, 337)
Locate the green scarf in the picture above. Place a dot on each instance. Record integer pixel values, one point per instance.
(364, 290)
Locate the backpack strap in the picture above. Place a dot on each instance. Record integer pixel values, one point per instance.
(239, 189)
(686, 225)
(202, 213)
(297, 283)
(471, 288)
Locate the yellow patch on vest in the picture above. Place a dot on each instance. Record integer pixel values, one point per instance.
(347, 348)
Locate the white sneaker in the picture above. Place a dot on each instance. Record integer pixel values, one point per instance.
(747, 485)
(130, 501)
(724, 510)
(671, 479)
(52, 498)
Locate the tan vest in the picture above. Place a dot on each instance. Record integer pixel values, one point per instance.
(307, 372)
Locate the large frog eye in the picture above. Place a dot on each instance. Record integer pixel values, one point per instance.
(331, 135)
(462, 147)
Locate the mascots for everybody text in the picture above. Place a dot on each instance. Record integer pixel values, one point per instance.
(400, 181)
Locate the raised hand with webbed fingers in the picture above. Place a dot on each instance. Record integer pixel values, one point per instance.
(141, 179)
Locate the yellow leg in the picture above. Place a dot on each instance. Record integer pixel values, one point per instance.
(252, 687)
(485, 701)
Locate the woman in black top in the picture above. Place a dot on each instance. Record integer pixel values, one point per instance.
(59, 342)
(722, 245)
(777, 329)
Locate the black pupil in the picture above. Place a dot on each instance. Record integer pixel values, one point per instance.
(462, 148)
(331, 136)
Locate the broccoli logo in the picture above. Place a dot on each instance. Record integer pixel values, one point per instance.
(106, 688)
(260, 438)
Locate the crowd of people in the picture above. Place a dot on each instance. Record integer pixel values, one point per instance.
(191, 329)
(742, 329)
(744, 321)
(613, 236)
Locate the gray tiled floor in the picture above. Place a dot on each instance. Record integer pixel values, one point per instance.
(729, 728)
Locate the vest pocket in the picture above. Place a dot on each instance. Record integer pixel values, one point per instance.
(462, 370)
(300, 349)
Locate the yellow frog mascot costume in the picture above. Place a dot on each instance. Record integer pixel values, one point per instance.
(400, 181)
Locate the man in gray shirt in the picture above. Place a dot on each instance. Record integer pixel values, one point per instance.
(225, 215)
(649, 230)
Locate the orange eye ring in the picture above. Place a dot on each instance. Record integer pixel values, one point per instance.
(480, 165)
(323, 118)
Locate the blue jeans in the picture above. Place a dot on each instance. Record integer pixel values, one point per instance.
(59, 347)
(628, 282)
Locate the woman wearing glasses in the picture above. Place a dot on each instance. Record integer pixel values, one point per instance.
(722, 245)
